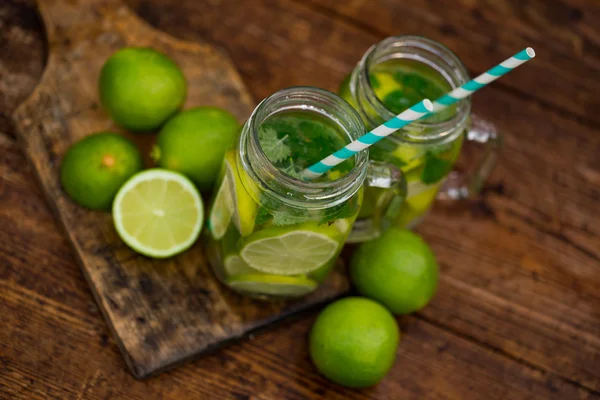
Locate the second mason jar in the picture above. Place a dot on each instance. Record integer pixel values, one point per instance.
(271, 233)
(393, 75)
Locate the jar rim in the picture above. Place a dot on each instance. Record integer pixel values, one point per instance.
(454, 72)
(307, 194)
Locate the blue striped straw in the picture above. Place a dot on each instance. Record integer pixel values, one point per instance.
(416, 112)
(484, 79)
(404, 118)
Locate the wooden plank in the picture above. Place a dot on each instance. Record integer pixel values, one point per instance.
(162, 312)
(526, 254)
(22, 55)
(55, 344)
(479, 42)
(517, 208)
(46, 348)
(552, 25)
(486, 32)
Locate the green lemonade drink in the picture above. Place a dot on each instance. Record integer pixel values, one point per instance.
(392, 76)
(271, 233)
(400, 84)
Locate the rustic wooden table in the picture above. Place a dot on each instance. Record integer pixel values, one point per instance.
(517, 314)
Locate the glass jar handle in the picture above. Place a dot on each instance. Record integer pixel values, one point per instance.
(461, 185)
(385, 192)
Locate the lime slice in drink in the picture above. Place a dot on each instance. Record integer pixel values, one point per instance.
(273, 285)
(245, 208)
(222, 210)
(386, 84)
(415, 206)
(342, 225)
(234, 265)
(290, 251)
(410, 155)
(420, 195)
(158, 213)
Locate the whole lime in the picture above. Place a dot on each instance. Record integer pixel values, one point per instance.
(141, 88)
(398, 269)
(95, 167)
(194, 143)
(354, 341)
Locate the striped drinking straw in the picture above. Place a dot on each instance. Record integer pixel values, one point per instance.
(404, 118)
(417, 112)
(484, 79)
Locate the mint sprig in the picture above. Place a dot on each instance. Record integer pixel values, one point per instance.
(291, 170)
(289, 216)
(435, 168)
(274, 147)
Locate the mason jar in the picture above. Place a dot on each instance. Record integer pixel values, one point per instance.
(272, 234)
(393, 75)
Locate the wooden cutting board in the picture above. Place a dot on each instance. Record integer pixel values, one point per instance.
(161, 312)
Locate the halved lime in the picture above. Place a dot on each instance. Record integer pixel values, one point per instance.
(158, 213)
(273, 285)
(234, 265)
(222, 210)
(290, 251)
(245, 208)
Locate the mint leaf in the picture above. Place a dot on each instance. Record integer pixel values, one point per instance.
(291, 170)
(435, 169)
(441, 149)
(267, 208)
(400, 100)
(384, 151)
(341, 211)
(414, 81)
(262, 216)
(374, 81)
(275, 148)
(289, 216)
(282, 215)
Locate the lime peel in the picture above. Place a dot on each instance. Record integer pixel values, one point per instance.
(245, 207)
(222, 210)
(273, 285)
(234, 265)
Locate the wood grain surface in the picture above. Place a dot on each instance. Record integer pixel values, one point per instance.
(517, 314)
(162, 312)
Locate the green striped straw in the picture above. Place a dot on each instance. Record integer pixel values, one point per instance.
(417, 112)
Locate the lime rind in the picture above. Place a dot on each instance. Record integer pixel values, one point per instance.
(222, 210)
(421, 196)
(410, 155)
(234, 265)
(147, 216)
(245, 208)
(273, 285)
